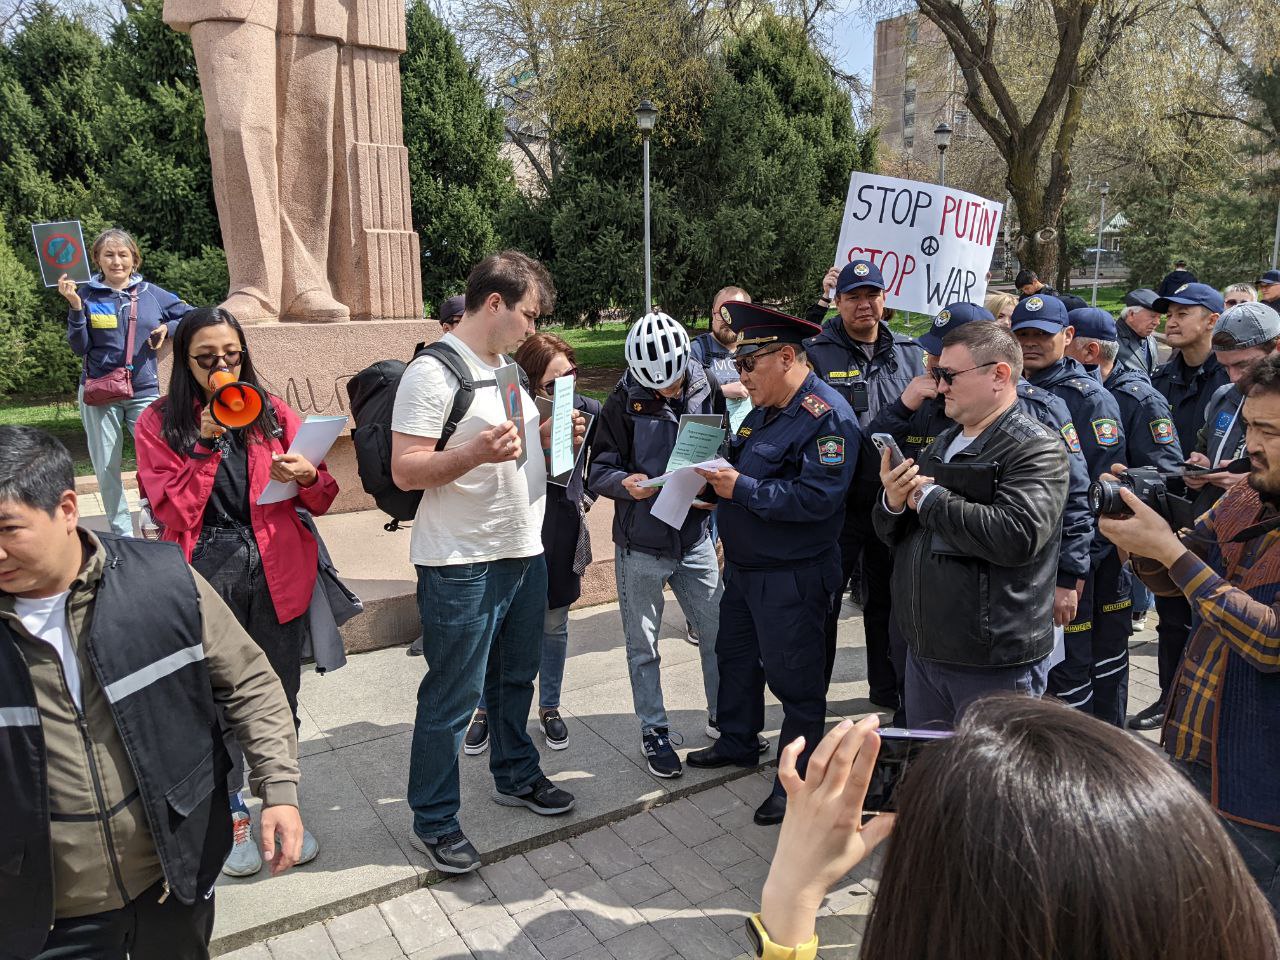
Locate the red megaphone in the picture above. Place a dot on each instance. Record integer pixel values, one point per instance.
(233, 404)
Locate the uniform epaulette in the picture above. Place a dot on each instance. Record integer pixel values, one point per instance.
(1085, 385)
(815, 405)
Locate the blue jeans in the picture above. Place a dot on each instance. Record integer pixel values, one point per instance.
(1141, 596)
(555, 647)
(481, 631)
(938, 693)
(104, 431)
(695, 581)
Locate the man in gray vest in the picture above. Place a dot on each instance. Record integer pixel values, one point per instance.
(116, 821)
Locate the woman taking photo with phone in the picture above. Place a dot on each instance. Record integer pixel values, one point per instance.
(205, 481)
(117, 323)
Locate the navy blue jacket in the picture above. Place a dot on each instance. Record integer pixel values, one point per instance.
(637, 432)
(713, 355)
(97, 331)
(916, 430)
(1150, 438)
(1189, 391)
(795, 466)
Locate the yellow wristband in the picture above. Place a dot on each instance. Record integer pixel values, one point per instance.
(766, 949)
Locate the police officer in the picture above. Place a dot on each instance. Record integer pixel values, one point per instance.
(869, 365)
(917, 417)
(1099, 632)
(781, 506)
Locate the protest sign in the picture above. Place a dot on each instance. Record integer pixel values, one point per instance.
(60, 249)
(932, 244)
(508, 378)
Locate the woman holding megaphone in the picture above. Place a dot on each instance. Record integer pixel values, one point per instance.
(205, 454)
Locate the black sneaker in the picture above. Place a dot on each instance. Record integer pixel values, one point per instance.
(691, 634)
(662, 760)
(554, 730)
(452, 853)
(477, 740)
(713, 731)
(415, 648)
(544, 798)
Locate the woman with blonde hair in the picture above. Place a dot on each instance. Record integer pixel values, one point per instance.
(1001, 307)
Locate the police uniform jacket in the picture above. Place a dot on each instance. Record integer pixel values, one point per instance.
(636, 434)
(1189, 391)
(1137, 353)
(986, 600)
(916, 430)
(795, 466)
(867, 386)
(1150, 438)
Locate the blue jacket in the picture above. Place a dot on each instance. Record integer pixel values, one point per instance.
(795, 466)
(715, 356)
(97, 331)
(636, 433)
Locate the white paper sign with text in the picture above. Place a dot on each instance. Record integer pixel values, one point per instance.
(932, 244)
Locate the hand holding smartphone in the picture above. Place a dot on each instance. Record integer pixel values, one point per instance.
(885, 441)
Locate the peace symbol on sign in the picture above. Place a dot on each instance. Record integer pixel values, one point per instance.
(929, 246)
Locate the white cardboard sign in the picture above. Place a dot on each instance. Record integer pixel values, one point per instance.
(932, 244)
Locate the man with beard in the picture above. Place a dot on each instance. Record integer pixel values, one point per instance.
(1224, 711)
(715, 349)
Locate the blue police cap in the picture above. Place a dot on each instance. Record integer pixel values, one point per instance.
(859, 273)
(1192, 295)
(954, 316)
(759, 327)
(1271, 276)
(1040, 311)
(1093, 322)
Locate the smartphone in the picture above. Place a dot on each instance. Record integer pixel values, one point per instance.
(885, 441)
(898, 748)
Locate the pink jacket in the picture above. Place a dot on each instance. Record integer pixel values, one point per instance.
(178, 487)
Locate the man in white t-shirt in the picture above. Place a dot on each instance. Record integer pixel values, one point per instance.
(477, 546)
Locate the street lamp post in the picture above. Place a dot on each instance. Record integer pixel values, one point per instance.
(646, 118)
(942, 138)
(1097, 253)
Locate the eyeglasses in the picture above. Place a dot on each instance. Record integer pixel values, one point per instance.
(207, 361)
(551, 384)
(748, 364)
(942, 373)
(1236, 303)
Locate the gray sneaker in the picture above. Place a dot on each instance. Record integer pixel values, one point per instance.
(245, 859)
(452, 853)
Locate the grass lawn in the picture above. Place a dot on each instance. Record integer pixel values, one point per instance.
(62, 419)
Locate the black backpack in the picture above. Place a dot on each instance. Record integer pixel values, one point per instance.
(372, 393)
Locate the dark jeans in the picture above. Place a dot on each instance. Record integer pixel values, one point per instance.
(229, 559)
(938, 693)
(143, 929)
(481, 632)
(1260, 849)
(858, 541)
(1172, 632)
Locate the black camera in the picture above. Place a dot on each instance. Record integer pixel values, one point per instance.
(1148, 485)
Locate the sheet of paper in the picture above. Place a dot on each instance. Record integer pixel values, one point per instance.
(696, 441)
(562, 426)
(312, 441)
(673, 501)
(739, 407)
(508, 378)
(562, 479)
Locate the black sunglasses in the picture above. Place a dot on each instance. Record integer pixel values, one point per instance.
(748, 364)
(551, 384)
(942, 373)
(207, 361)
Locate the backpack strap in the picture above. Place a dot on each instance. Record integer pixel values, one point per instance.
(466, 391)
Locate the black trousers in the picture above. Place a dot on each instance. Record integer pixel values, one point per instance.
(859, 540)
(1094, 675)
(143, 929)
(229, 559)
(771, 632)
(1172, 633)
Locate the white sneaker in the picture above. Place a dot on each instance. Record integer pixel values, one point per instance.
(245, 858)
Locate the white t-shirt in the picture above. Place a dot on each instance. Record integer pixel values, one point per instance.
(492, 512)
(46, 619)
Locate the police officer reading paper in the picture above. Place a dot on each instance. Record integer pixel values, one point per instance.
(780, 514)
(974, 527)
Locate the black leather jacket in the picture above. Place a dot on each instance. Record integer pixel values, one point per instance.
(973, 581)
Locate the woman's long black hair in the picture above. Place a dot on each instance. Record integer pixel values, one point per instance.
(185, 400)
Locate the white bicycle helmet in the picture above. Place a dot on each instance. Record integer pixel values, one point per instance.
(657, 351)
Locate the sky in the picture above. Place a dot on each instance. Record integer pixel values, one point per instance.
(854, 36)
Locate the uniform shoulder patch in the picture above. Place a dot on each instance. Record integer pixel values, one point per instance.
(815, 405)
(1106, 431)
(1070, 436)
(1162, 430)
(831, 451)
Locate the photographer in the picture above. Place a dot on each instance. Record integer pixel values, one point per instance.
(1224, 706)
(976, 553)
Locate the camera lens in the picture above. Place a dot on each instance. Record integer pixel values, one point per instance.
(1105, 501)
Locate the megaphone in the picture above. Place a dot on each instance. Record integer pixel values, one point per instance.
(234, 404)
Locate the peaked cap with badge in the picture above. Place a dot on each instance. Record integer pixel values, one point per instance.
(759, 327)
